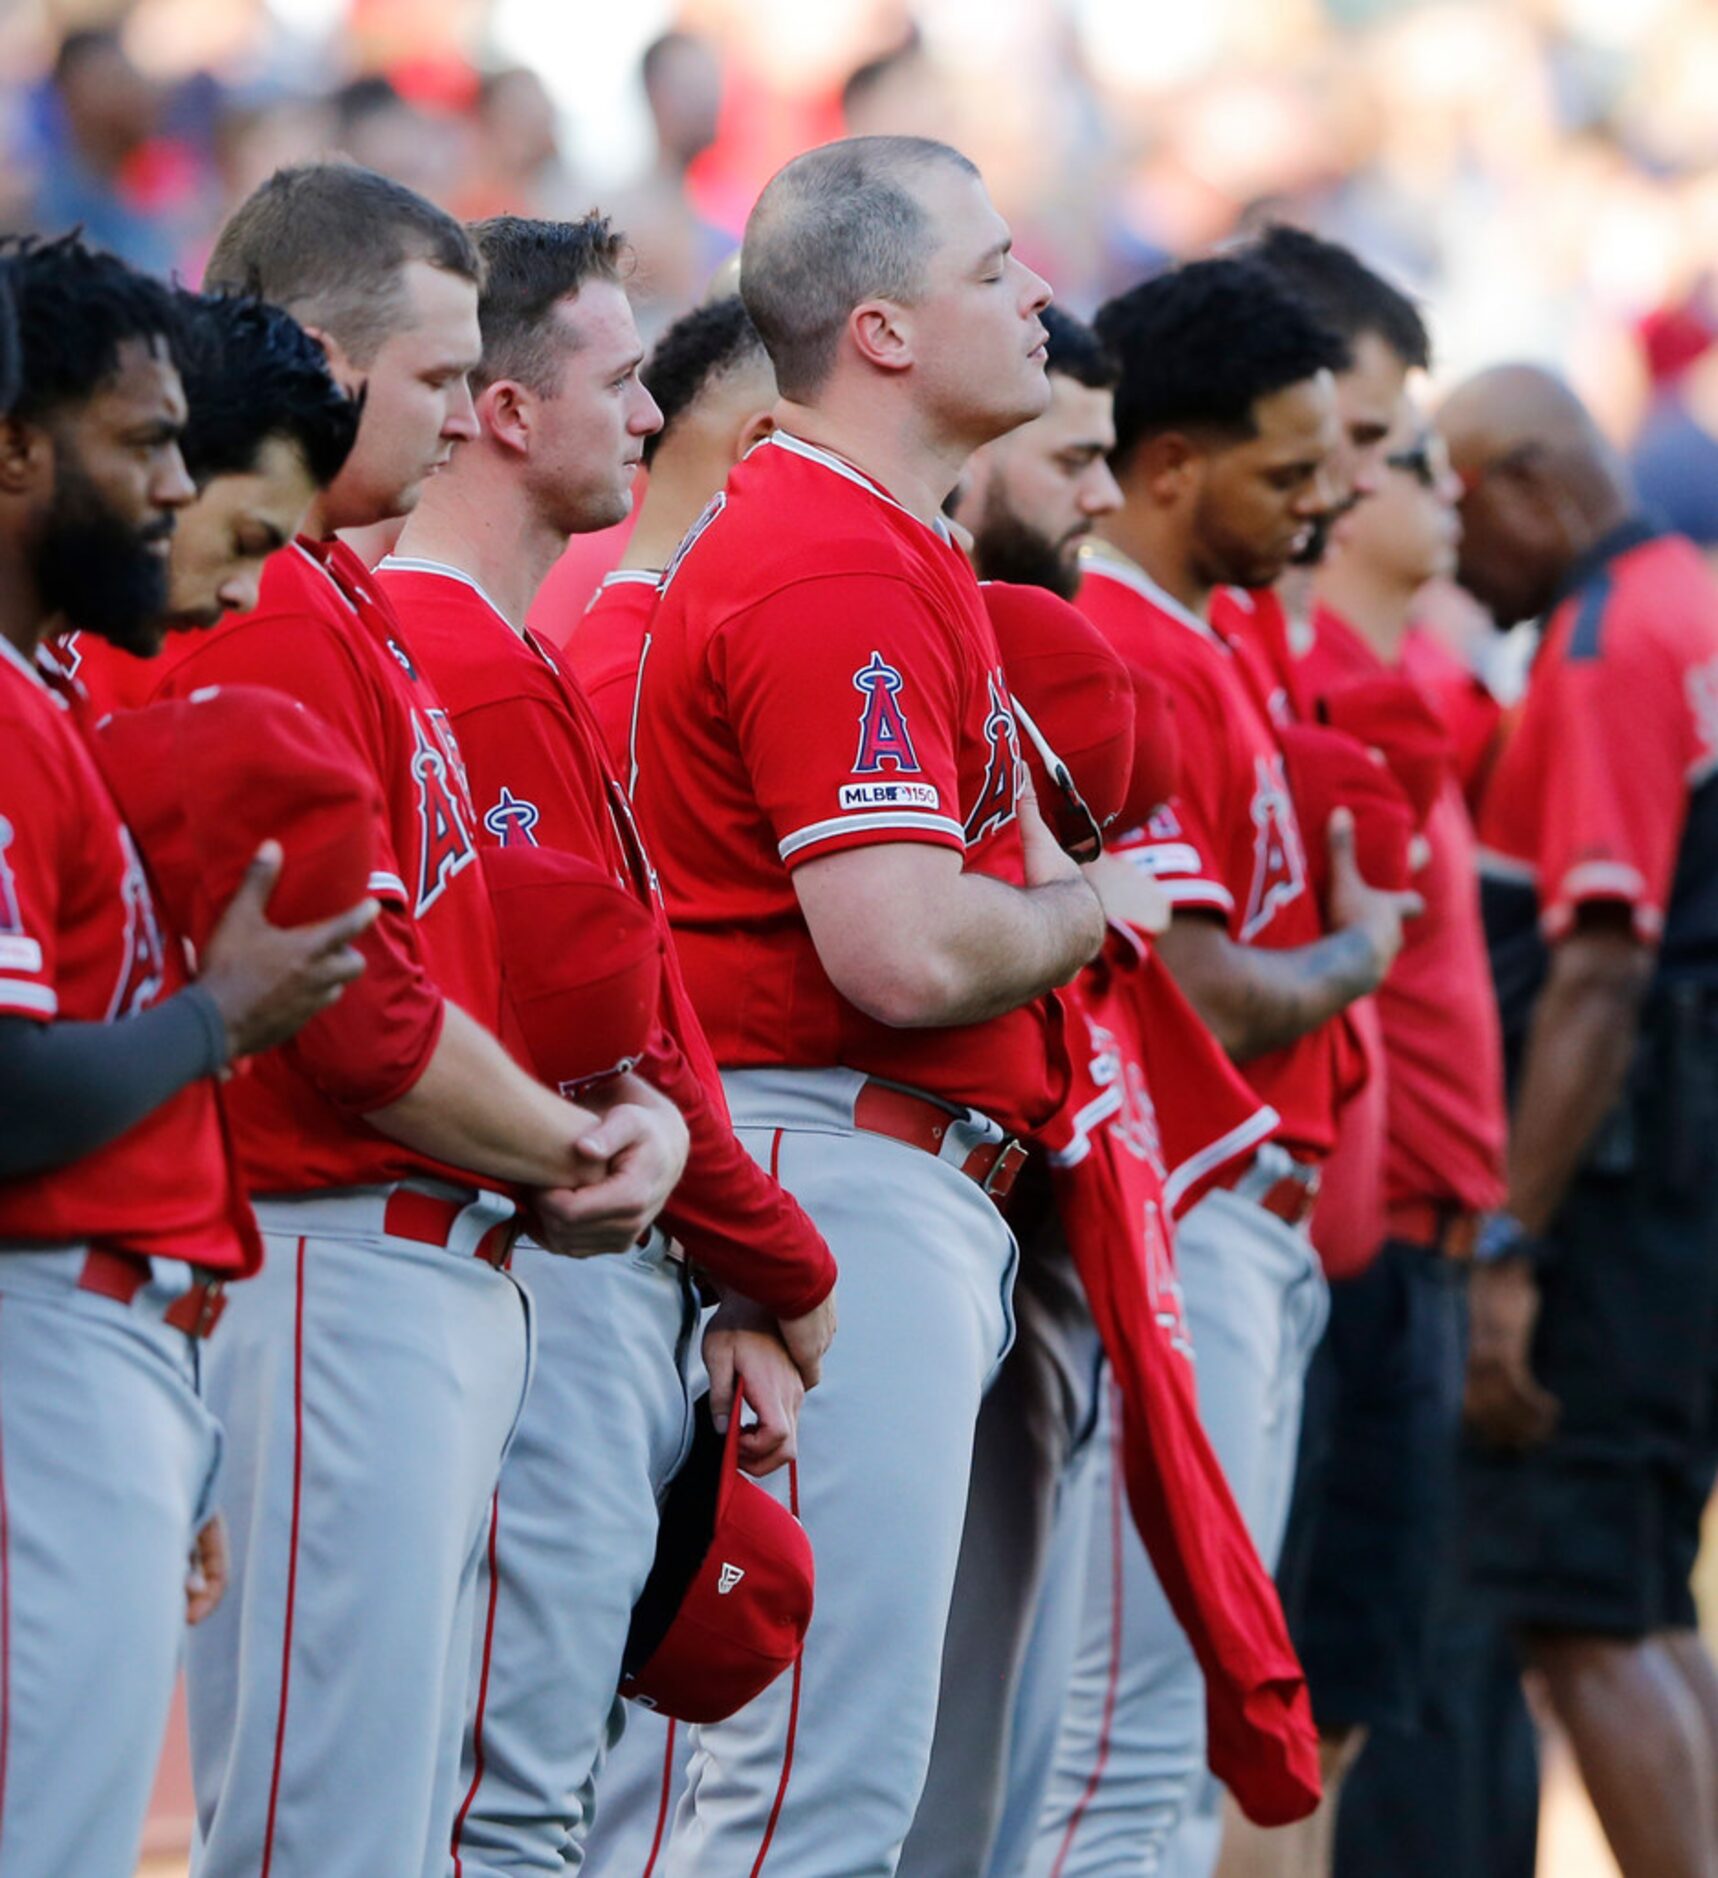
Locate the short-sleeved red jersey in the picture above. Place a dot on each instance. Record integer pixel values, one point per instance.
(81, 940)
(539, 774)
(325, 633)
(822, 675)
(604, 651)
(1605, 788)
(1445, 1122)
(1229, 841)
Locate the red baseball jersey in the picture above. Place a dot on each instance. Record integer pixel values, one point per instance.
(540, 774)
(109, 679)
(81, 940)
(1256, 618)
(1606, 786)
(324, 632)
(822, 676)
(604, 651)
(1228, 841)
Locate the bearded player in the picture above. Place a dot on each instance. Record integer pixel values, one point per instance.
(120, 1214)
(562, 419)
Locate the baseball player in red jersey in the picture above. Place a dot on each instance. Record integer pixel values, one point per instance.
(267, 428)
(713, 383)
(562, 417)
(375, 1375)
(1592, 1353)
(1225, 416)
(869, 916)
(1029, 499)
(121, 1216)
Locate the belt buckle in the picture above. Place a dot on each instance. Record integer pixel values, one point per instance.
(1009, 1159)
(207, 1300)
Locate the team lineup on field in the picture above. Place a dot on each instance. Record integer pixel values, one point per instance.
(989, 1178)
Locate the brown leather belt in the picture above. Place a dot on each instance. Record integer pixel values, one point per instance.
(430, 1219)
(121, 1275)
(922, 1123)
(1291, 1200)
(1446, 1229)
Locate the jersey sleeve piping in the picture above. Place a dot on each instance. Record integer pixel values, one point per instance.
(19, 996)
(1603, 881)
(935, 829)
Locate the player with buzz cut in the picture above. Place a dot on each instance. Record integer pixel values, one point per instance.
(713, 383)
(121, 1217)
(562, 420)
(374, 1376)
(871, 915)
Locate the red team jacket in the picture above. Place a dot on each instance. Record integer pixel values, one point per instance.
(81, 940)
(540, 774)
(324, 632)
(809, 688)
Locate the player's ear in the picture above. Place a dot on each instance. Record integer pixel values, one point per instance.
(505, 411)
(346, 374)
(1167, 464)
(26, 456)
(752, 430)
(882, 334)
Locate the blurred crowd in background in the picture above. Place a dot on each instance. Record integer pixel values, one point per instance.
(1542, 173)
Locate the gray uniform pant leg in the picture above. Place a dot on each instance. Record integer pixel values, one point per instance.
(1130, 1765)
(821, 1774)
(1029, 1431)
(107, 1459)
(605, 1428)
(369, 1387)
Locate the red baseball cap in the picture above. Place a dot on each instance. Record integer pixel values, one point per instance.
(1328, 770)
(1078, 705)
(1156, 770)
(203, 781)
(581, 961)
(1386, 712)
(729, 1597)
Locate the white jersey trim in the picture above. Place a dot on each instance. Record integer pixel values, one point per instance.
(1134, 577)
(386, 883)
(345, 599)
(839, 825)
(1197, 893)
(1250, 1133)
(628, 577)
(18, 994)
(813, 453)
(24, 665)
(411, 564)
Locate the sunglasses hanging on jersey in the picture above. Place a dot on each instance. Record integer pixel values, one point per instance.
(1076, 828)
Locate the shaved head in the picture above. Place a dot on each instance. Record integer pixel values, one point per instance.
(1541, 482)
(833, 229)
(1508, 406)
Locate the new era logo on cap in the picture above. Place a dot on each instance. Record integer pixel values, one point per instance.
(730, 1576)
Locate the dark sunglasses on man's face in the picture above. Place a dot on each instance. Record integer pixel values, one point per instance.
(1418, 463)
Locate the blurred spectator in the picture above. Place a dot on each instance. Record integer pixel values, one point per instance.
(514, 166)
(677, 248)
(97, 161)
